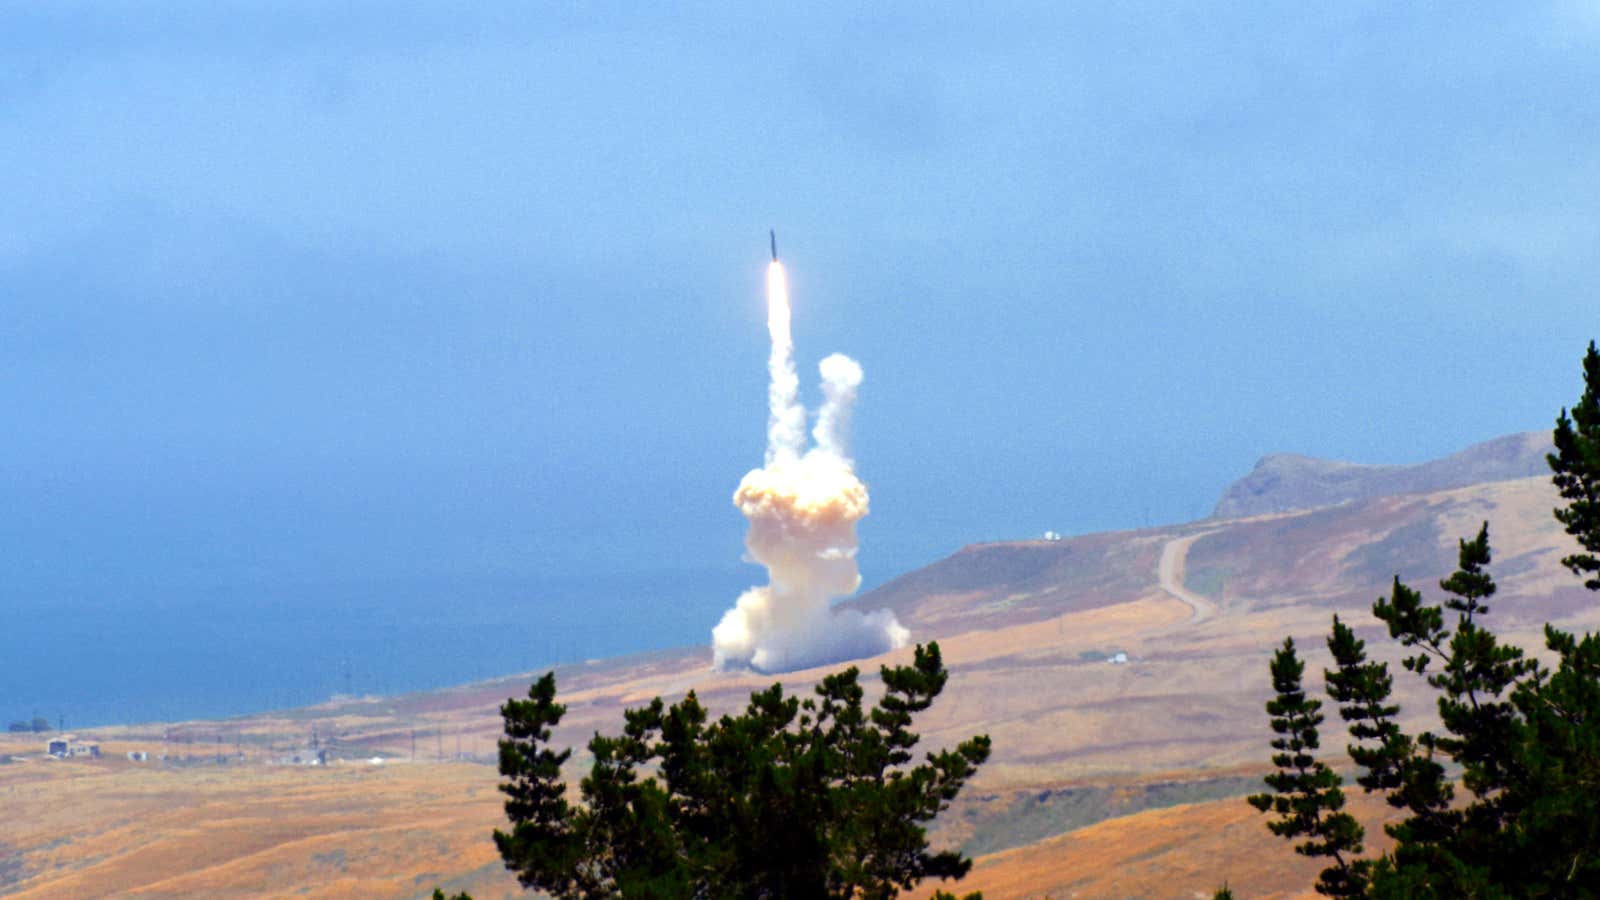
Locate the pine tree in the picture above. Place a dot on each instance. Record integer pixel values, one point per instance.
(1576, 464)
(542, 839)
(1305, 793)
(793, 798)
(1524, 739)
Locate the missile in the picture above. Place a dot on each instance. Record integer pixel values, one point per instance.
(774, 236)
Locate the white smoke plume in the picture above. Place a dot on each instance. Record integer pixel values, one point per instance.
(786, 421)
(841, 378)
(803, 506)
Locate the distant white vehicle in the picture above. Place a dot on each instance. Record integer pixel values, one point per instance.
(1117, 658)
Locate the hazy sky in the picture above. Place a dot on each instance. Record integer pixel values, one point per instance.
(309, 291)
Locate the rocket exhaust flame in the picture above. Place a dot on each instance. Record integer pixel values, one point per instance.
(803, 506)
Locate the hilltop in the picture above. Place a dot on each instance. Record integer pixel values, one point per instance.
(1090, 754)
(1286, 481)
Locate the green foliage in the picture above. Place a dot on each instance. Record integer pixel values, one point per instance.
(1576, 464)
(1305, 795)
(1525, 739)
(439, 895)
(813, 798)
(541, 839)
(1223, 893)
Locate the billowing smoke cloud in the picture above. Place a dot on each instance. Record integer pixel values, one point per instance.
(803, 506)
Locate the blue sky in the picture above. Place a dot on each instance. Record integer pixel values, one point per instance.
(325, 291)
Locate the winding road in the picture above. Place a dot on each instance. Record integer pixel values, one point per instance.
(1170, 572)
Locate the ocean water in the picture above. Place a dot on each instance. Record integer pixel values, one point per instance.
(96, 656)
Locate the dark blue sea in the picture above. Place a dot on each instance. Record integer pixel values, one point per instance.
(96, 656)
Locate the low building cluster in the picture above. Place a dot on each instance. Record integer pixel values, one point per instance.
(66, 746)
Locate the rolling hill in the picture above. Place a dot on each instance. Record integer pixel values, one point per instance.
(1108, 778)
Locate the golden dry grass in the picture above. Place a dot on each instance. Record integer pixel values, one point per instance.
(1023, 631)
(112, 828)
(1184, 851)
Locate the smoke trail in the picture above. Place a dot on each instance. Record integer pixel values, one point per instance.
(803, 506)
(841, 378)
(786, 422)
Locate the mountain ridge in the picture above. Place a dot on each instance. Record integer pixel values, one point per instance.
(1282, 482)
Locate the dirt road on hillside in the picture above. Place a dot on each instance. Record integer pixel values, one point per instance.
(1170, 572)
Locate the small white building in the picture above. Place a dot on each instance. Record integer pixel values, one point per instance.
(66, 746)
(1118, 658)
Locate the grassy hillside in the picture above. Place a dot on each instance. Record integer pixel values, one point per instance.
(1027, 629)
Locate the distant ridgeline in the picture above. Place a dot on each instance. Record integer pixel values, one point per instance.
(1285, 481)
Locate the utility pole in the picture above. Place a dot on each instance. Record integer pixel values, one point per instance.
(413, 745)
